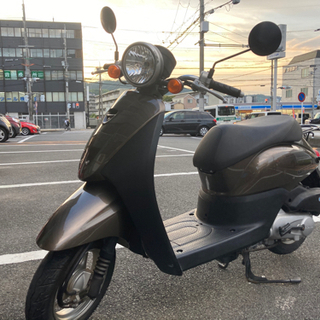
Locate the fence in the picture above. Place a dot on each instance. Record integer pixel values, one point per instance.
(53, 121)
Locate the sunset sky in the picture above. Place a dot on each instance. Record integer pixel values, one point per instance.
(162, 22)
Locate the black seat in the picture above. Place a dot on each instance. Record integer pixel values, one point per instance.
(225, 145)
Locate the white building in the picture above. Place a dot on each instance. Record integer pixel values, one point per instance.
(302, 74)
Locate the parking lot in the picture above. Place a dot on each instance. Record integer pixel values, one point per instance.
(39, 172)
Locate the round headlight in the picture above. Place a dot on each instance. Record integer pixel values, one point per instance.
(142, 64)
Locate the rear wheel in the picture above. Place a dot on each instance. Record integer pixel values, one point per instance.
(286, 247)
(3, 135)
(60, 286)
(203, 131)
(25, 131)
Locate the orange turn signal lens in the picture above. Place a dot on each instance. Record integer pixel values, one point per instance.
(114, 71)
(175, 86)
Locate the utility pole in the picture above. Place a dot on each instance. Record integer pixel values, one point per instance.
(66, 73)
(27, 66)
(313, 91)
(201, 57)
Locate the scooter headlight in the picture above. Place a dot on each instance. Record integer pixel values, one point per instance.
(142, 64)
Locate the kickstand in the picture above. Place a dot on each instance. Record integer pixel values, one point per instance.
(255, 279)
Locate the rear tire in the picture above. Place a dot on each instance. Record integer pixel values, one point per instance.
(286, 248)
(65, 277)
(203, 131)
(161, 131)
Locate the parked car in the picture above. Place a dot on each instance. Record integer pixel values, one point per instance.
(315, 120)
(5, 128)
(15, 124)
(185, 121)
(29, 128)
(261, 114)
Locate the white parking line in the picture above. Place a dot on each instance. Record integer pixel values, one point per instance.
(171, 148)
(37, 162)
(37, 184)
(40, 151)
(28, 256)
(21, 141)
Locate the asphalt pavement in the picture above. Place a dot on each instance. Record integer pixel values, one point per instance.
(39, 172)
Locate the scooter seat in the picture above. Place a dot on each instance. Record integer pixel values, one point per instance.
(227, 144)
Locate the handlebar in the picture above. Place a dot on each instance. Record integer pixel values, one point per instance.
(221, 87)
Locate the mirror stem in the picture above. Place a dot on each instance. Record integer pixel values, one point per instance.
(212, 69)
(116, 53)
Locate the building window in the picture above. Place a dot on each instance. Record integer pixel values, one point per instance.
(289, 93)
(80, 96)
(46, 53)
(190, 100)
(45, 33)
(79, 75)
(15, 96)
(304, 90)
(71, 53)
(73, 96)
(19, 52)
(55, 33)
(61, 96)
(9, 96)
(17, 32)
(49, 96)
(1, 96)
(55, 96)
(34, 33)
(36, 53)
(305, 73)
(70, 33)
(56, 53)
(7, 32)
(73, 75)
(9, 52)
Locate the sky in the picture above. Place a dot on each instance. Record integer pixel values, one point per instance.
(171, 23)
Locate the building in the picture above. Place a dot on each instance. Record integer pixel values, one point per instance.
(55, 59)
(190, 100)
(302, 74)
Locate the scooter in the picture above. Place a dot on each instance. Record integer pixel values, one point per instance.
(259, 188)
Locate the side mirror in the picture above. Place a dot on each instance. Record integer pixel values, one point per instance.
(265, 38)
(109, 24)
(108, 20)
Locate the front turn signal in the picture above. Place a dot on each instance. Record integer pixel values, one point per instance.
(114, 71)
(175, 86)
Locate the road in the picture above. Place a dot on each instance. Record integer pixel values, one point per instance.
(39, 172)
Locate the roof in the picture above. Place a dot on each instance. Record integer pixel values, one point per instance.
(305, 57)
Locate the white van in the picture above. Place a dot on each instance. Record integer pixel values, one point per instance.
(223, 113)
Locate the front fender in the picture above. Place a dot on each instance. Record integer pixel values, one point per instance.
(93, 212)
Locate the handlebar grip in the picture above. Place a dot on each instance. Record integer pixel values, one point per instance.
(221, 87)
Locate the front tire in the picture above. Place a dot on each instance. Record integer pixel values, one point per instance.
(161, 131)
(60, 285)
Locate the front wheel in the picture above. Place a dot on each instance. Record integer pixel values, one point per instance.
(60, 287)
(161, 131)
(25, 131)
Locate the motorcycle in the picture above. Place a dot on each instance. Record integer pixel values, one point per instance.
(263, 195)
